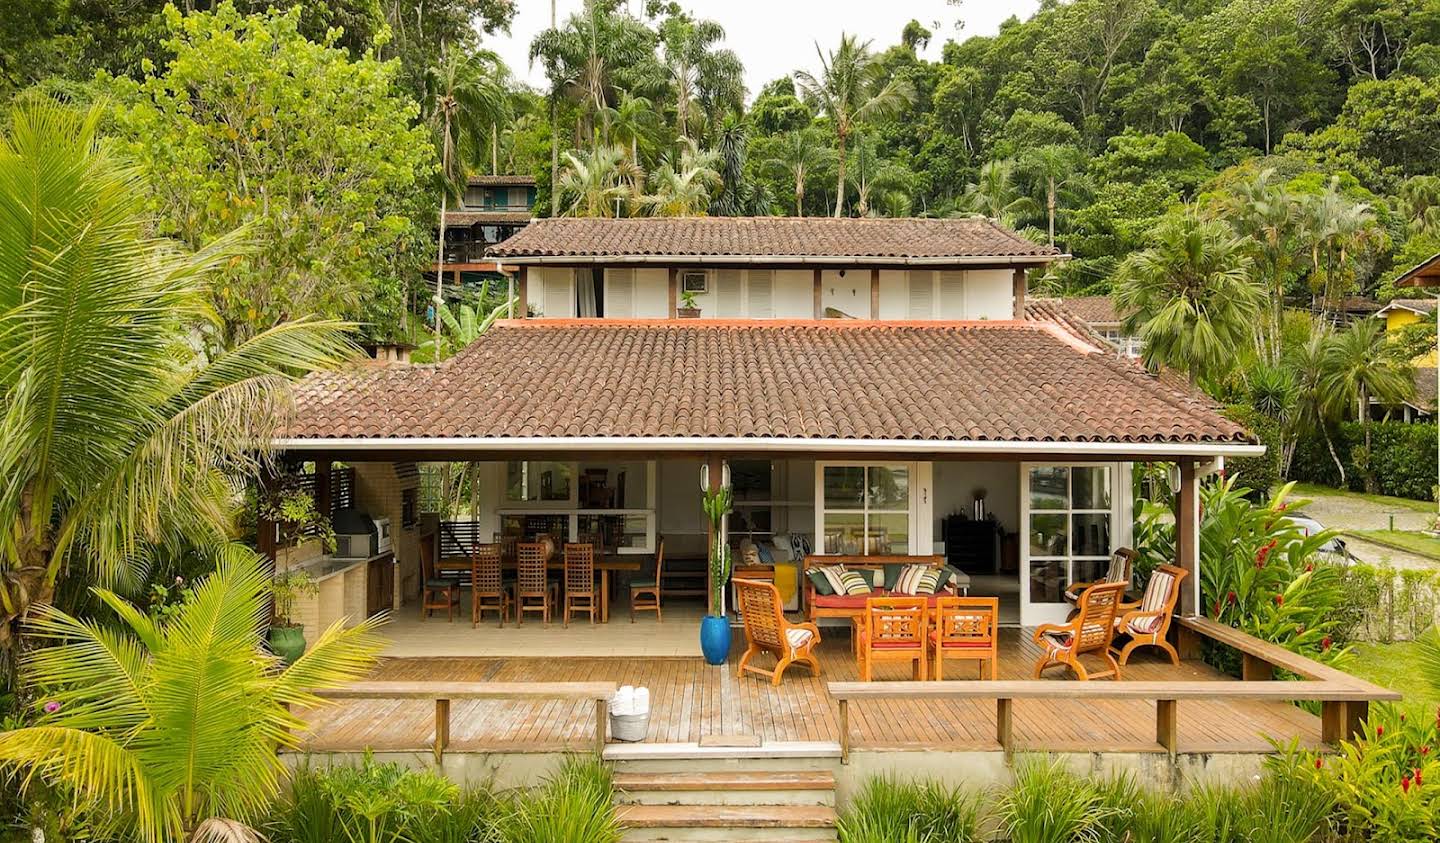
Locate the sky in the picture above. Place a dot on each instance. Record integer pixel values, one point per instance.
(775, 37)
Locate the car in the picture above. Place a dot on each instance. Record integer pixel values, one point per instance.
(1335, 549)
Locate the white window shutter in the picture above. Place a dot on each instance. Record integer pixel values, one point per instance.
(952, 294)
(922, 294)
(727, 293)
(762, 297)
(558, 300)
(620, 293)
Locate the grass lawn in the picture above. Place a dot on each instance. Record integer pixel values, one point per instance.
(1314, 490)
(1394, 666)
(1417, 543)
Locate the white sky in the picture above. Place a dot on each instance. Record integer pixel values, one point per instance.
(776, 37)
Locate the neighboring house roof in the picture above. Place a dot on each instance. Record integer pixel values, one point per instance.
(1097, 310)
(795, 240)
(832, 382)
(1424, 274)
(477, 217)
(1358, 304)
(1424, 398)
(1423, 307)
(502, 181)
(1061, 313)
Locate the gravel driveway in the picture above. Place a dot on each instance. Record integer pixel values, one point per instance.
(1350, 512)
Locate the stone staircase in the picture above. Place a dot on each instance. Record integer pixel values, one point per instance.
(713, 799)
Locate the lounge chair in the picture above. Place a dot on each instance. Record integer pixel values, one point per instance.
(1088, 633)
(767, 631)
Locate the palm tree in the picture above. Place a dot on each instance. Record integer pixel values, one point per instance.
(851, 89)
(466, 94)
(700, 73)
(172, 729)
(995, 195)
(684, 188)
(873, 175)
(799, 156)
(1339, 231)
(631, 120)
(599, 182)
(1418, 200)
(1055, 166)
(1270, 217)
(1357, 369)
(1315, 410)
(1190, 296)
(116, 435)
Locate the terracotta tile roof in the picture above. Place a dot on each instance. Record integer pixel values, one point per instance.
(502, 181)
(977, 381)
(1416, 305)
(476, 217)
(1060, 313)
(1094, 309)
(775, 237)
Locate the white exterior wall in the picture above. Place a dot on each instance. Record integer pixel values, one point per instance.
(845, 290)
(794, 294)
(990, 293)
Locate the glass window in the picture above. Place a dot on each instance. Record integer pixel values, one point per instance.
(1070, 527)
(866, 509)
(537, 481)
(614, 485)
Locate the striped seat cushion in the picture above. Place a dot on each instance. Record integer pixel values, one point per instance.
(797, 638)
(1057, 642)
(1157, 592)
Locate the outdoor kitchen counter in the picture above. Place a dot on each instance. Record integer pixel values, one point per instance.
(343, 588)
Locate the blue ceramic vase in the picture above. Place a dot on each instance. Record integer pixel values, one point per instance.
(715, 639)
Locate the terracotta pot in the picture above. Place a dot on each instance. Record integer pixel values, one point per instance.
(687, 312)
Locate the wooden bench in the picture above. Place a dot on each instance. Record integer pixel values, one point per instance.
(443, 692)
(855, 563)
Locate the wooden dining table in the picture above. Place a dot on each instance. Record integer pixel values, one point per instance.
(604, 567)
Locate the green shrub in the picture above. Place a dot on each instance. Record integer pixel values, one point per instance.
(1402, 458)
(1386, 604)
(1260, 473)
(574, 804)
(1050, 804)
(888, 809)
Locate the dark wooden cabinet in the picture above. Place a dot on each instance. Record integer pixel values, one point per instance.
(380, 584)
(970, 545)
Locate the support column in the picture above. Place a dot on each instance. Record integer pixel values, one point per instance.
(673, 290)
(1019, 282)
(875, 293)
(1187, 536)
(819, 308)
(522, 293)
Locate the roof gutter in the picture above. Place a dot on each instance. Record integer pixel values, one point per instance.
(656, 444)
(786, 260)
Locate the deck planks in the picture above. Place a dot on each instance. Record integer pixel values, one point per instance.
(691, 700)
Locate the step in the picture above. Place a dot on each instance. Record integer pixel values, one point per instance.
(726, 822)
(730, 787)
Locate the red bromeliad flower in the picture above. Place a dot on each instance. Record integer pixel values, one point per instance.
(1309, 566)
(1279, 600)
(1379, 731)
(1230, 598)
(1405, 785)
(1425, 750)
(1326, 643)
(1418, 781)
(1319, 762)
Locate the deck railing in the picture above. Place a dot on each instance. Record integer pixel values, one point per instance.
(1344, 699)
(442, 693)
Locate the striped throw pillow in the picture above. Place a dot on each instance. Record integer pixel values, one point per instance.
(832, 575)
(854, 582)
(1156, 593)
(918, 579)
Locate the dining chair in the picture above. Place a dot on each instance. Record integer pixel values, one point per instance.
(531, 583)
(645, 591)
(894, 631)
(966, 628)
(435, 586)
(490, 591)
(581, 592)
(507, 542)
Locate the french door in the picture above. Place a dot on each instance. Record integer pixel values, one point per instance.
(1072, 516)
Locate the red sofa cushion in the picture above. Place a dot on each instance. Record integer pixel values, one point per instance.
(857, 601)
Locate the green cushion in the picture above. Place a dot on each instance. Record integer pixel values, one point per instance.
(822, 585)
(892, 575)
(645, 583)
(439, 583)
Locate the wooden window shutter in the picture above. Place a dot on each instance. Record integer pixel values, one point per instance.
(620, 293)
(922, 294)
(952, 295)
(727, 293)
(762, 296)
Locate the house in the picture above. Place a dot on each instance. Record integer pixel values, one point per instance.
(869, 389)
(492, 210)
(1399, 313)
(1099, 313)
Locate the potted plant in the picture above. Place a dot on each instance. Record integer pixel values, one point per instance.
(291, 507)
(688, 309)
(715, 627)
(287, 638)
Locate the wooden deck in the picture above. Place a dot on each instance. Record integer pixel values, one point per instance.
(691, 701)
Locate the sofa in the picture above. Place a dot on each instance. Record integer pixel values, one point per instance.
(819, 605)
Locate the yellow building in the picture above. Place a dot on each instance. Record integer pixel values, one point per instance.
(1401, 312)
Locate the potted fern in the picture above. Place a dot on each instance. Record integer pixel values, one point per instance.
(715, 627)
(287, 638)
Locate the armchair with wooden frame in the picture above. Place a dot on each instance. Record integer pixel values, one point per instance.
(1122, 563)
(1147, 623)
(1088, 633)
(489, 591)
(645, 592)
(966, 628)
(767, 631)
(582, 594)
(894, 629)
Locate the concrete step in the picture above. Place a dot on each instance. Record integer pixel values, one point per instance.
(727, 822)
(690, 758)
(737, 787)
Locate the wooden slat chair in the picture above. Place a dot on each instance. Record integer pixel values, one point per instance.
(894, 630)
(1088, 633)
(767, 631)
(645, 591)
(582, 594)
(434, 587)
(1147, 623)
(531, 583)
(1122, 562)
(508, 543)
(966, 628)
(490, 592)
